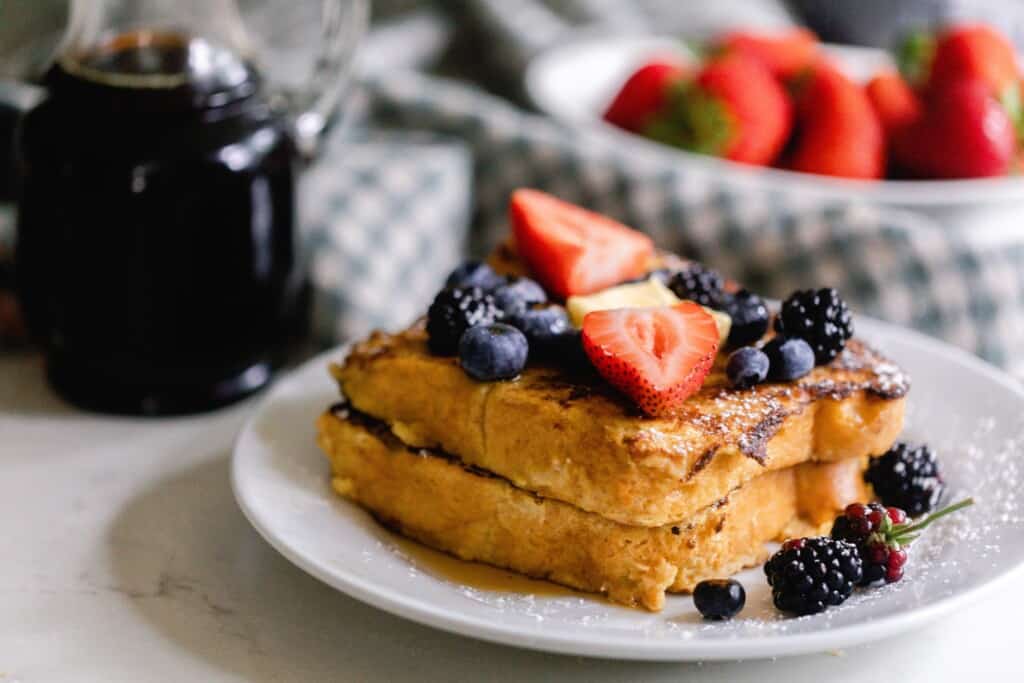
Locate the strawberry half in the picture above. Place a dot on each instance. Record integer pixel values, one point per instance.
(658, 357)
(784, 53)
(644, 94)
(572, 250)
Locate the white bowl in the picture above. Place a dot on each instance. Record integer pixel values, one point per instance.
(574, 82)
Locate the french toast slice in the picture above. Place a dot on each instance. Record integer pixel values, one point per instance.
(452, 506)
(567, 435)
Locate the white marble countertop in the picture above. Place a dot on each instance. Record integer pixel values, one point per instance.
(125, 558)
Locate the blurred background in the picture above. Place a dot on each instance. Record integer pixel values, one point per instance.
(446, 114)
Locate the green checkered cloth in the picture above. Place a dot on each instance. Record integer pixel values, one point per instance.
(427, 175)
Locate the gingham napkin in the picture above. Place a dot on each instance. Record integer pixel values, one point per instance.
(434, 160)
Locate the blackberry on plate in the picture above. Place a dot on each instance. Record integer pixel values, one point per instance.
(474, 274)
(454, 311)
(719, 598)
(820, 317)
(788, 359)
(907, 477)
(492, 352)
(518, 294)
(807, 575)
(746, 367)
(749, 317)
(881, 535)
(696, 282)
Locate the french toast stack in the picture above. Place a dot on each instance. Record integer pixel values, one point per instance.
(557, 475)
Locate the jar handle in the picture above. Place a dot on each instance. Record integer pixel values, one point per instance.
(311, 107)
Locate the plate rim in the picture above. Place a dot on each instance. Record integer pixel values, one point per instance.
(427, 613)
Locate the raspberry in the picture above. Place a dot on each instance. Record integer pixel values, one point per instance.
(807, 575)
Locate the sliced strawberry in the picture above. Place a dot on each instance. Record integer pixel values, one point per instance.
(733, 109)
(658, 357)
(784, 54)
(895, 102)
(572, 250)
(839, 133)
(643, 94)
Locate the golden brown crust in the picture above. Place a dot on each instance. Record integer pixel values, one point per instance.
(440, 501)
(571, 437)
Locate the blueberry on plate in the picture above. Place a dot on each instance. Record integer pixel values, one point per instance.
(746, 367)
(474, 274)
(788, 359)
(492, 352)
(749, 317)
(455, 310)
(519, 294)
(719, 598)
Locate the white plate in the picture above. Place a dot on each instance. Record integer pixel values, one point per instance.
(970, 412)
(575, 81)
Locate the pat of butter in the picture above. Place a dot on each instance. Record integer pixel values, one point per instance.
(647, 294)
(650, 293)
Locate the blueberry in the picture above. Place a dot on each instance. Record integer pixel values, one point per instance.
(788, 359)
(749, 317)
(491, 352)
(543, 326)
(746, 367)
(518, 295)
(719, 598)
(474, 274)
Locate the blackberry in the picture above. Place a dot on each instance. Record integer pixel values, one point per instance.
(881, 535)
(454, 311)
(696, 282)
(907, 477)
(749, 317)
(821, 318)
(807, 575)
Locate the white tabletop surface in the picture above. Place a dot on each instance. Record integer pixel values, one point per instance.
(125, 558)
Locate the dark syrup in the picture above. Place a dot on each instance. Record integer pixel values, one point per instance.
(156, 254)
